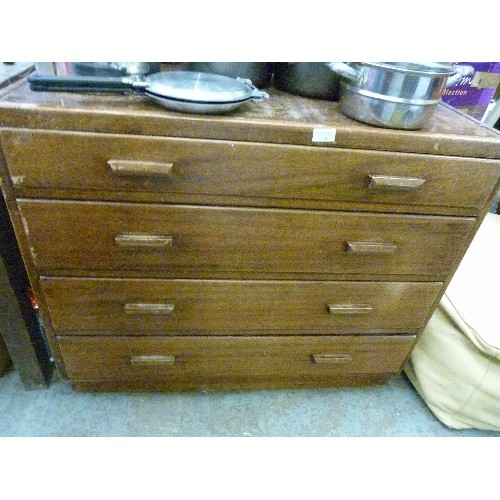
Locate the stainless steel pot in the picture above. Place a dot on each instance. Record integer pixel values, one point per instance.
(401, 95)
(308, 79)
(184, 91)
(114, 68)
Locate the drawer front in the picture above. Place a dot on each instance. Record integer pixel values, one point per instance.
(164, 240)
(200, 362)
(158, 166)
(116, 306)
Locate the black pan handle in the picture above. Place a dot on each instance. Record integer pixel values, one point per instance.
(63, 83)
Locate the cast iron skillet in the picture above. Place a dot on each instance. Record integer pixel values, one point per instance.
(187, 91)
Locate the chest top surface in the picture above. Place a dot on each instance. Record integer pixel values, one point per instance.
(283, 119)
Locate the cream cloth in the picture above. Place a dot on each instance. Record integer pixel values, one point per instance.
(455, 365)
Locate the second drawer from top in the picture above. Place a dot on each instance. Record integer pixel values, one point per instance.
(127, 239)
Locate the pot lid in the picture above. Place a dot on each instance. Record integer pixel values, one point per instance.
(429, 68)
(199, 87)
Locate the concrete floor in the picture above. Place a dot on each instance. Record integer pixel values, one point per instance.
(394, 409)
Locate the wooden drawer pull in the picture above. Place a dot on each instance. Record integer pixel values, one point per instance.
(370, 247)
(331, 358)
(152, 360)
(139, 240)
(140, 168)
(393, 183)
(148, 308)
(349, 308)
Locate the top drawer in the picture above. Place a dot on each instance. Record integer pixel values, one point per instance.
(165, 169)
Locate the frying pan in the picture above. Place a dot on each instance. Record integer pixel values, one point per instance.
(186, 91)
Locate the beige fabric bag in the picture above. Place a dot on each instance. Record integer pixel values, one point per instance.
(455, 365)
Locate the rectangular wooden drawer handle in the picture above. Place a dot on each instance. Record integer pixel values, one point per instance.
(393, 183)
(142, 240)
(148, 308)
(349, 308)
(152, 360)
(370, 247)
(140, 168)
(331, 358)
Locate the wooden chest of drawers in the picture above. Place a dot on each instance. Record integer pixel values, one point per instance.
(177, 252)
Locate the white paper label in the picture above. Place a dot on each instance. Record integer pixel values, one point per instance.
(324, 135)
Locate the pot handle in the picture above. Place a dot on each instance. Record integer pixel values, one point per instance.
(256, 95)
(346, 71)
(460, 72)
(62, 83)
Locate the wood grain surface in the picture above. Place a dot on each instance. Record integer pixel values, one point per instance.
(72, 236)
(284, 119)
(229, 362)
(219, 307)
(171, 251)
(276, 173)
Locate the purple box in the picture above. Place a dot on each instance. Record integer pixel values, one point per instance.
(474, 92)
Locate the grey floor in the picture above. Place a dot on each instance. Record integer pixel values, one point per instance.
(394, 409)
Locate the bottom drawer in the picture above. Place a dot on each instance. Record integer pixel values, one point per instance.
(186, 363)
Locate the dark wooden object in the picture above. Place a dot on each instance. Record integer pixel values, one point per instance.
(20, 332)
(5, 360)
(28, 352)
(175, 251)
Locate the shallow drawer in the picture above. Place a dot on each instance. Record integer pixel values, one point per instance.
(205, 362)
(216, 307)
(170, 240)
(152, 167)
